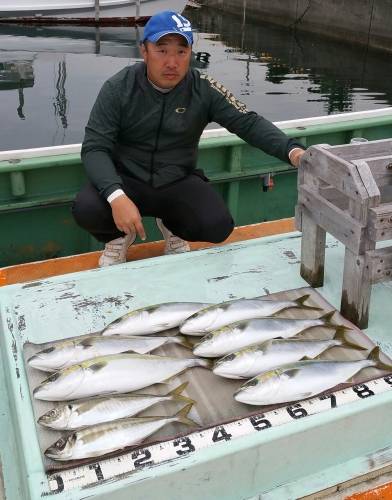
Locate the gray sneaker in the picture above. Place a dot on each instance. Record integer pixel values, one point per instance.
(173, 244)
(115, 251)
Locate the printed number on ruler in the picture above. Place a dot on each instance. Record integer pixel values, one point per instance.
(108, 469)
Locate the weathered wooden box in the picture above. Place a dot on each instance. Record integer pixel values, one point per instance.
(347, 192)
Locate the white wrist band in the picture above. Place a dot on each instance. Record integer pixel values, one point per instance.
(115, 194)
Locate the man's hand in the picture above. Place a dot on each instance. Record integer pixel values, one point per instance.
(127, 217)
(295, 157)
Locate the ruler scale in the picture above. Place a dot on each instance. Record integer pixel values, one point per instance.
(121, 466)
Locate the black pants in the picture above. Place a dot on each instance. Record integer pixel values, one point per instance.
(190, 209)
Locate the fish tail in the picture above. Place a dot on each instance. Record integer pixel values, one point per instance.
(340, 335)
(181, 340)
(328, 318)
(374, 355)
(182, 416)
(177, 396)
(301, 303)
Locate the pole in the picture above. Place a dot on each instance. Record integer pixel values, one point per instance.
(96, 11)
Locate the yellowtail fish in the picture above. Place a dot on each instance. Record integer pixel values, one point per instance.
(219, 315)
(93, 411)
(112, 436)
(242, 334)
(303, 379)
(115, 374)
(253, 360)
(70, 352)
(153, 319)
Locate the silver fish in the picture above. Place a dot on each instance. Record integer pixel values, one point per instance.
(87, 412)
(153, 319)
(303, 379)
(242, 334)
(251, 361)
(106, 438)
(115, 374)
(70, 352)
(219, 315)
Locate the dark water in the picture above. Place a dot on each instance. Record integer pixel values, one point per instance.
(49, 77)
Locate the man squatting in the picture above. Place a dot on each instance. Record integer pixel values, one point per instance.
(141, 142)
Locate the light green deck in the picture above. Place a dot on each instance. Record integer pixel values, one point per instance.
(289, 461)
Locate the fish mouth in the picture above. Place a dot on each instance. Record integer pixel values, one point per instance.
(187, 327)
(240, 396)
(237, 393)
(62, 448)
(34, 361)
(198, 350)
(49, 418)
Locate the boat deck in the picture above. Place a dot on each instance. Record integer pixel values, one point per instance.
(287, 461)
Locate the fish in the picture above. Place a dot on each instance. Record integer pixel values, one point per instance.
(242, 334)
(251, 361)
(219, 315)
(105, 438)
(303, 379)
(152, 319)
(70, 352)
(113, 374)
(87, 412)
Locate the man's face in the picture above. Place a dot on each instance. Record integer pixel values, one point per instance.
(167, 60)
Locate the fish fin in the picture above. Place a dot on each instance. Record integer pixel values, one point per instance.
(182, 416)
(178, 390)
(340, 335)
(374, 355)
(292, 372)
(181, 340)
(177, 396)
(301, 303)
(327, 317)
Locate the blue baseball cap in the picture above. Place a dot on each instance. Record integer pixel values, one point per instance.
(166, 23)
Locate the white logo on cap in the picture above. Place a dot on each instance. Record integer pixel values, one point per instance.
(182, 24)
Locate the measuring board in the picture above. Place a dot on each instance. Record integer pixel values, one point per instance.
(119, 467)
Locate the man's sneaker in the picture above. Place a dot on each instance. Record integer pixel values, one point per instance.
(115, 251)
(173, 244)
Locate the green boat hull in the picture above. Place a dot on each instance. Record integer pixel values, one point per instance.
(37, 186)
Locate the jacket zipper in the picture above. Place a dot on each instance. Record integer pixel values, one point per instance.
(157, 141)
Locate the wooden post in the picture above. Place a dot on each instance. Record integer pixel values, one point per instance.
(137, 9)
(356, 289)
(312, 251)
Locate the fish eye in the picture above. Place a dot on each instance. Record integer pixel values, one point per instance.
(69, 407)
(53, 377)
(229, 357)
(52, 413)
(60, 444)
(252, 383)
(48, 350)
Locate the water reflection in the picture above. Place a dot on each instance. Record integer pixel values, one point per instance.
(106, 41)
(336, 75)
(16, 74)
(50, 76)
